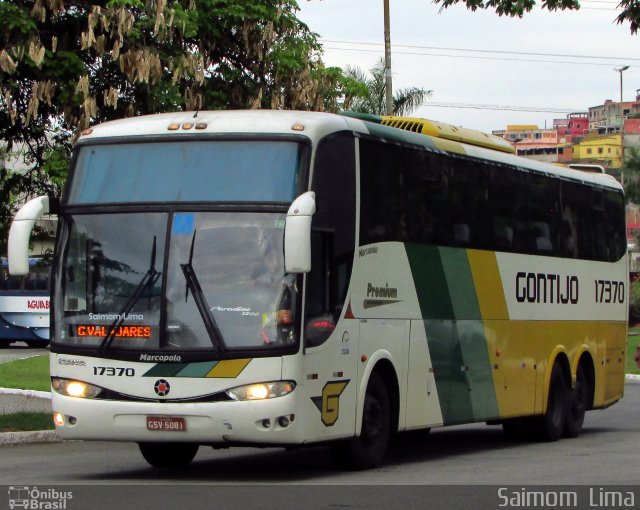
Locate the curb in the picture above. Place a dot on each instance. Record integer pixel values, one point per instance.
(632, 378)
(35, 436)
(26, 393)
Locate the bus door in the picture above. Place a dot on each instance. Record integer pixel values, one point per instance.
(330, 337)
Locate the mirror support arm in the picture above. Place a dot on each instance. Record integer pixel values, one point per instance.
(20, 234)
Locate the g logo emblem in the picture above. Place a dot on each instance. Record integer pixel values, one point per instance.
(329, 403)
(162, 387)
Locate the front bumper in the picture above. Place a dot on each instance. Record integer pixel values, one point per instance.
(230, 422)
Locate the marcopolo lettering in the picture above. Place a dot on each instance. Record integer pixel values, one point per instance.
(546, 288)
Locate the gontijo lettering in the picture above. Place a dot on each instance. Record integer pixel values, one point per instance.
(546, 288)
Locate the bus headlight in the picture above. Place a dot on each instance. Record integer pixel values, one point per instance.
(261, 391)
(76, 389)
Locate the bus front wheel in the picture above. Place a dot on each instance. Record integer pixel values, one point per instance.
(367, 450)
(168, 455)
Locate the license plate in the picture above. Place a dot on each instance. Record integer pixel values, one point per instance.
(166, 423)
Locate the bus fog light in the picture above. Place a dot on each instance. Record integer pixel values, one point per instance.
(283, 421)
(266, 423)
(58, 419)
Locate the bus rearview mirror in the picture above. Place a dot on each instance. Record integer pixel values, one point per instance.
(297, 234)
(20, 233)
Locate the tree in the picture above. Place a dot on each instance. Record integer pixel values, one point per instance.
(370, 97)
(630, 8)
(631, 176)
(67, 64)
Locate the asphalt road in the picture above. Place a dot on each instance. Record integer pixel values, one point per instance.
(607, 453)
(20, 350)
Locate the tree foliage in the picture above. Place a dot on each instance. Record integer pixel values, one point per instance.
(370, 96)
(631, 176)
(517, 8)
(67, 64)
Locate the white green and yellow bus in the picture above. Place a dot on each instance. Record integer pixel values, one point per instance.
(291, 278)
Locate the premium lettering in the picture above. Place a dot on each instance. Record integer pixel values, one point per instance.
(382, 292)
(547, 288)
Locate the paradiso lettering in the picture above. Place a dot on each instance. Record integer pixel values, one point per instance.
(547, 288)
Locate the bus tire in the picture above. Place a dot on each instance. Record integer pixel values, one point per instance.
(168, 455)
(577, 404)
(367, 450)
(551, 423)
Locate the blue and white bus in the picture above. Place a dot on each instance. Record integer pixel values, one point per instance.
(24, 305)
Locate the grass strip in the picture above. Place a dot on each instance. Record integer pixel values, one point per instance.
(21, 422)
(634, 341)
(26, 374)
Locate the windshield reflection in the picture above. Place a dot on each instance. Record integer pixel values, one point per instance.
(224, 282)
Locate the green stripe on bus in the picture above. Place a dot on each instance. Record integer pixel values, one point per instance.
(430, 281)
(477, 367)
(446, 358)
(460, 286)
(165, 370)
(197, 369)
(455, 333)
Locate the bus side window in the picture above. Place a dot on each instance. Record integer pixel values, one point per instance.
(332, 238)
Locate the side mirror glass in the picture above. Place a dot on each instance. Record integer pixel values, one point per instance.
(297, 234)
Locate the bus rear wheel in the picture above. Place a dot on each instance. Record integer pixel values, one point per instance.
(367, 450)
(578, 403)
(551, 424)
(168, 455)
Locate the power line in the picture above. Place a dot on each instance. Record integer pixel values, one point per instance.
(496, 107)
(425, 54)
(474, 50)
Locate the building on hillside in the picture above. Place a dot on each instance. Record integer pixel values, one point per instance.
(633, 231)
(573, 127)
(534, 143)
(605, 150)
(631, 138)
(609, 117)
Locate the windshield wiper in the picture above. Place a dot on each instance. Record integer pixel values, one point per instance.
(193, 285)
(148, 280)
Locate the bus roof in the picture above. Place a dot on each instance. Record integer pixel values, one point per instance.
(315, 125)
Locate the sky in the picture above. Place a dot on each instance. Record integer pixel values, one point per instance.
(560, 61)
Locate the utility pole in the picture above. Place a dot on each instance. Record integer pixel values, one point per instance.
(387, 60)
(621, 70)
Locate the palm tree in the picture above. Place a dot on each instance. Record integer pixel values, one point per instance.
(404, 101)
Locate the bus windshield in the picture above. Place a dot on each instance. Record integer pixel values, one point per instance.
(217, 283)
(186, 171)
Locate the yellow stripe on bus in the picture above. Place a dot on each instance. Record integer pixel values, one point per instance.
(229, 368)
(486, 278)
